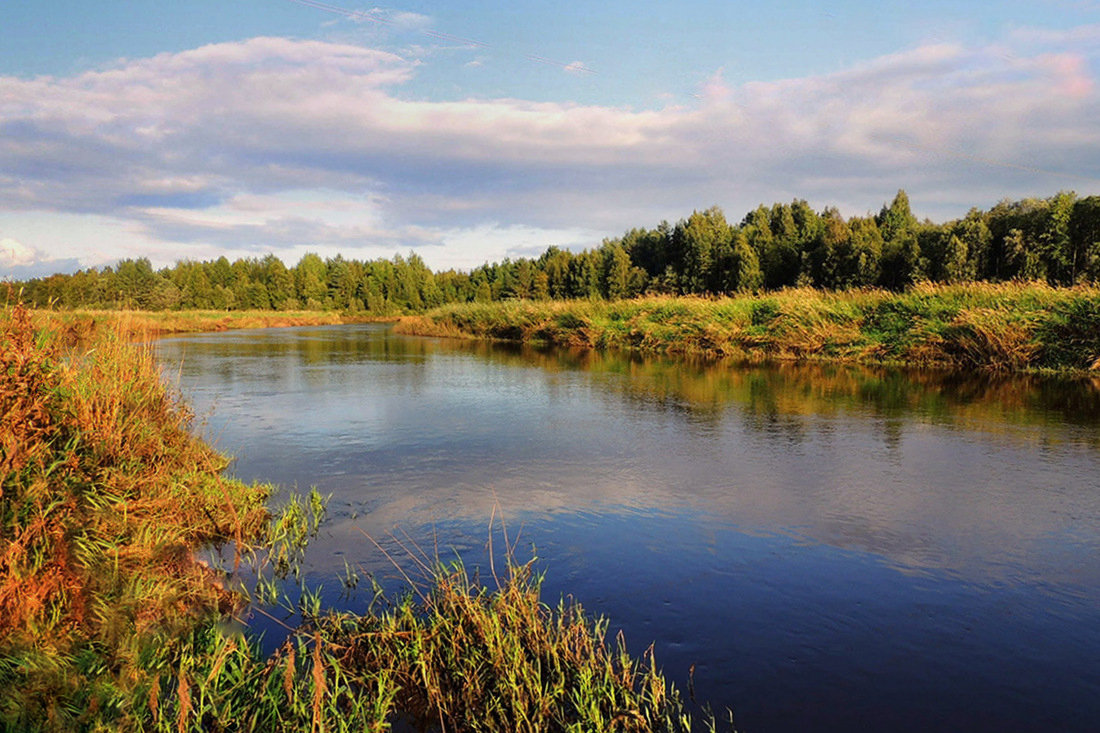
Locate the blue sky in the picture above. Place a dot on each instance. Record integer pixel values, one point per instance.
(475, 131)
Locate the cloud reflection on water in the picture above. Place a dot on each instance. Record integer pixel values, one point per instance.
(983, 476)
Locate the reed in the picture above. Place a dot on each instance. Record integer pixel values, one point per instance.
(450, 655)
(995, 327)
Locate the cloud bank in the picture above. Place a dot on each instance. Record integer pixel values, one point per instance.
(272, 144)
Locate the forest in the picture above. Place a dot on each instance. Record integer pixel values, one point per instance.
(1056, 240)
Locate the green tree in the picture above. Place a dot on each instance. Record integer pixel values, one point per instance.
(1056, 245)
(310, 281)
(1024, 256)
(901, 250)
(279, 283)
(542, 286)
(1085, 236)
(220, 272)
(701, 235)
(135, 281)
(973, 232)
(584, 275)
(808, 227)
(340, 286)
(749, 277)
(956, 260)
(197, 292)
(756, 228)
(782, 258)
(829, 257)
(616, 271)
(648, 250)
(555, 263)
(523, 281)
(866, 252)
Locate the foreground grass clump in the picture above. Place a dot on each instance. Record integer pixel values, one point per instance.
(104, 496)
(450, 657)
(109, 622)
(998, 327)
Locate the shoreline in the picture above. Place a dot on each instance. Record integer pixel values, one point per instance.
(75, 326)
(1011, 327)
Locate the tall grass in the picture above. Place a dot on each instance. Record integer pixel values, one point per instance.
(449, 656)
(76, 326)
(997, 327)
(109, 621)
(104, 496)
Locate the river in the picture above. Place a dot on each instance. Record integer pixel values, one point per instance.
(832, 547)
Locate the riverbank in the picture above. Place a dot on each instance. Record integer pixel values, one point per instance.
(1002, 327)
(74, 326)
(105, 498)
(110, 618)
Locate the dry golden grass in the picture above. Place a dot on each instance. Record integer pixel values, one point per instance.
(78, 326)
(104, 497)
(1003, 326)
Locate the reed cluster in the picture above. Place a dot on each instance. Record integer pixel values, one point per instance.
(450, 655)
(996, 327)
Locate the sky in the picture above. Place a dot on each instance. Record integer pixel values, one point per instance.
(475, 131)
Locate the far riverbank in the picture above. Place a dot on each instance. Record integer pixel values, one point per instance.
(994, 327)
(80, 325)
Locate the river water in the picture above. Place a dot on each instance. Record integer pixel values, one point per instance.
(832, 548)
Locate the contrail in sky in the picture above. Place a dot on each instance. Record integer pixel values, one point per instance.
(990, 161)
(378, 20)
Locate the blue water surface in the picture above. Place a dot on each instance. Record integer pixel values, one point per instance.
(830, 548)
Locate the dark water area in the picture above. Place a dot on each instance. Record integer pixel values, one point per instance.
(833, 548)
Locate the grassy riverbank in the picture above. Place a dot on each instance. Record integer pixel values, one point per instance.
(108, 621)
(104, 497)
(1008, 326)
(73, 326)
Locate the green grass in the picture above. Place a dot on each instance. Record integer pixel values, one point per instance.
(450, 655)
(109, 619)
(996, 327)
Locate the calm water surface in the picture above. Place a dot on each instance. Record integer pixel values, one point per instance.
(833, 548)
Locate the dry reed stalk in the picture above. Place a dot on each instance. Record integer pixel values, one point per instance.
(288, 674)
(319, 685)
(183, 691)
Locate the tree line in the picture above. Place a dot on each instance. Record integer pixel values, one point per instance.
(1055, 239)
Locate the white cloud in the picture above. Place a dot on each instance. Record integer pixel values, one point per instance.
(493, 241)
(21, 262)
(276, 144)
(405, 19)
(16, 254)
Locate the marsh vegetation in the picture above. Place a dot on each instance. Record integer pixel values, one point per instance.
(1010, 326)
